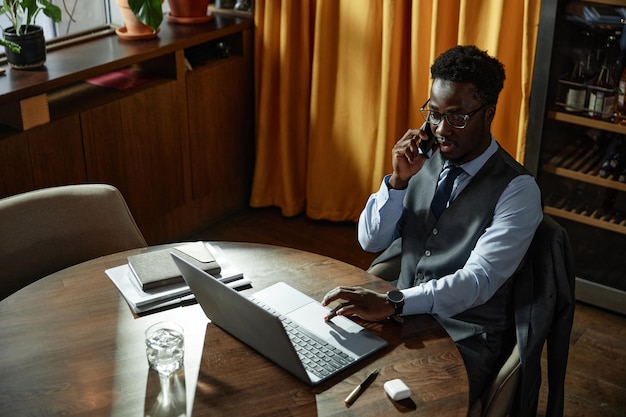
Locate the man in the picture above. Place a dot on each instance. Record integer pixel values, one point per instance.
(455, 263)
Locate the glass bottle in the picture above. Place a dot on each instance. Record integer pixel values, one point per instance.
(612, 155)
(621, 103)
(621, 85)
(577, 91)
(602, 94)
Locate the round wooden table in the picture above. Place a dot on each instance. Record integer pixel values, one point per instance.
(72, 346)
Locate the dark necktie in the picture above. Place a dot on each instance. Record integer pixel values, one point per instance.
(442, 195)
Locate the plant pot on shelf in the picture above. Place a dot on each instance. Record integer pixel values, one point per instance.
(133, 28)
(189, 11)
(32, 44)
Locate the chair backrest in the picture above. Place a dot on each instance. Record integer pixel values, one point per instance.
(498, 400)
(544, 314)
(544, 310)
(387, 265)
(44, 231)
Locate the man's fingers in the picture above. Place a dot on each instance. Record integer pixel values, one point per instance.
(334, 312)
(338, 293)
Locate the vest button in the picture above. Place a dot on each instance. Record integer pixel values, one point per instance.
(428, 253)
(435, 231)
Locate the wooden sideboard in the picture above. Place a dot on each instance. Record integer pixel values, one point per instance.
(178, 143)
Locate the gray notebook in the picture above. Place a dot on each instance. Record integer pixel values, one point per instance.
(156, 269)
(270, 319)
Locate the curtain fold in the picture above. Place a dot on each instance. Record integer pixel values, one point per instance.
(338, 82)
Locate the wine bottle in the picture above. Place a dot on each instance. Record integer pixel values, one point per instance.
(621, 105)
(577, 92)
(603, 95)
(622, 169)
(620, 68)
(611, 157)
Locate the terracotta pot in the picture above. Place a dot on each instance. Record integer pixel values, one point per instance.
(33, 47)
(133, 27)
(188, 8)
(189, 11)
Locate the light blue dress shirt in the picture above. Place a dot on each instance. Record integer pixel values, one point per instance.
(495, 258)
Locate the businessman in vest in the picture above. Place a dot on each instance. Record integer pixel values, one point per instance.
(462, 216)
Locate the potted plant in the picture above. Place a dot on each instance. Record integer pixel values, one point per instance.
(142, 18)
(24, 42)
(189, 11)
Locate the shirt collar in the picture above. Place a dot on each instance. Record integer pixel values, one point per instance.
(472, 167)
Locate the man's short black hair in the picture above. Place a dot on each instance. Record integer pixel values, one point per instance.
(468, 64)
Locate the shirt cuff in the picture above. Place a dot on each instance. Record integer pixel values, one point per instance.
(416, 301)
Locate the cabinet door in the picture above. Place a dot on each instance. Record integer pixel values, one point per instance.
(221, 128)
(56, 153)
(15, 168)
(45, 156)
(135, 144)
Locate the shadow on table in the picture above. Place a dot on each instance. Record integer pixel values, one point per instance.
(166, 395)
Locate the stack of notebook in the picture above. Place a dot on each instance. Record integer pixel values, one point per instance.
(152, 281)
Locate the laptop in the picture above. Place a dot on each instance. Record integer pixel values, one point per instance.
(274, 320)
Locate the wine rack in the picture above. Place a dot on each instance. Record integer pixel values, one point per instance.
(566, 154)
(580, 161)
(564, 85)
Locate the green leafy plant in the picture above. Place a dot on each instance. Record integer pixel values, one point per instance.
(22, 14)
(149, 12)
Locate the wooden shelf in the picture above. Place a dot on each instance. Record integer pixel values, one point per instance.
(580, 176)
(580, 161)
(589, 220)
(587, 122)
(75, 63)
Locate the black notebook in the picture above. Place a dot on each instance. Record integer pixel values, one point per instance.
(156, 269)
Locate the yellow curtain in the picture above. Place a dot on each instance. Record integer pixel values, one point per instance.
(339, 81)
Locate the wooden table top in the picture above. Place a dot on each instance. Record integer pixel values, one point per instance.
(70, 345)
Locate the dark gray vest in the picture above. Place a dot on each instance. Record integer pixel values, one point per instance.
(434, 248)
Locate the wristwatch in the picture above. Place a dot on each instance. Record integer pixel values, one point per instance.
(396, 298)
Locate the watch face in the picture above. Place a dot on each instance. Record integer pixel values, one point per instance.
(395, 296)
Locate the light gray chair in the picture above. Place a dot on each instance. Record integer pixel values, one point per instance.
(498, 400)
(44, 231)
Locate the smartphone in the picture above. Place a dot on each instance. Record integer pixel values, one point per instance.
(426, 145)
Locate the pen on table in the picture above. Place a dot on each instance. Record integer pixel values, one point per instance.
(361, 387)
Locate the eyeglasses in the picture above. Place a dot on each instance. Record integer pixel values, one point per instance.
(456, 120)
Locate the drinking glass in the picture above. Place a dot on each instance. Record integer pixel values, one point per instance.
(165, 347)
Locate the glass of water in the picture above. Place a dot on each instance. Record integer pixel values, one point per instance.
(165, 347)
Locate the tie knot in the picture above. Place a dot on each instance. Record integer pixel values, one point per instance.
(453, 172)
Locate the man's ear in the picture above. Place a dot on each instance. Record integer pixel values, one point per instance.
(491, 113)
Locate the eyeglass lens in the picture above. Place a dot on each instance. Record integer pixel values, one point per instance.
(454, 120)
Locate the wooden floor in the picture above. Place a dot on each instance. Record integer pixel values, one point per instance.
(596, 376)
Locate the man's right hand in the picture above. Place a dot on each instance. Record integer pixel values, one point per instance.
(406, 159)
(364, 303)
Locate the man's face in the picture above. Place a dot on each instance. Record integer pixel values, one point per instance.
(460, 145)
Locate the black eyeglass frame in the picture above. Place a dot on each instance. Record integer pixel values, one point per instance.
(465, 117)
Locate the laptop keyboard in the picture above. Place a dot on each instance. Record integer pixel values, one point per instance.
(318, 357)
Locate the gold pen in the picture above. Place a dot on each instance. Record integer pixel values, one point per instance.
(361, 387)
